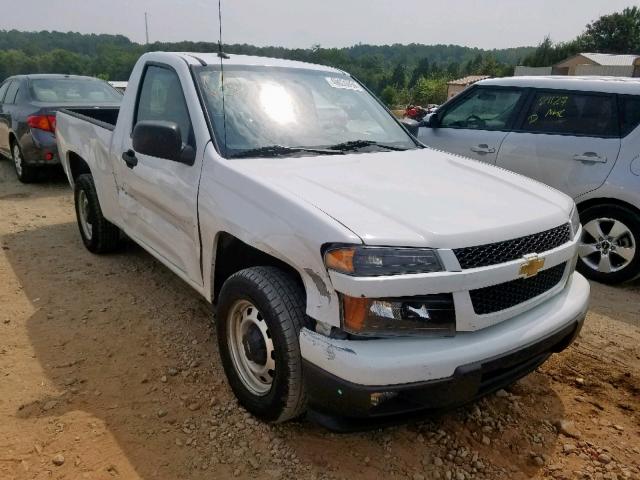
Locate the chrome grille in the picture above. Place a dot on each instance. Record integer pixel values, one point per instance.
(505, 295)
(500, 252)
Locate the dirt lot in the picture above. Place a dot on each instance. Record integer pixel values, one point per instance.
(109, 369)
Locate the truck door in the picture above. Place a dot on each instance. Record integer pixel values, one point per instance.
(566, 139)
(158, 197)
(475, 124)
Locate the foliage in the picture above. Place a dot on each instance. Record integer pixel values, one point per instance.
(430, 90)
(615, 33)
(392, 71)
(398, 73)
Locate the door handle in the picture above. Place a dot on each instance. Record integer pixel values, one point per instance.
(483, 148)
(590, 157)
(130, 158)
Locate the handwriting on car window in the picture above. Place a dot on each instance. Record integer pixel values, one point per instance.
(549, 107)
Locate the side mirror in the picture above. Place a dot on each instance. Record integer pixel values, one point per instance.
(162, 140)
(411, 125)
(432, 120)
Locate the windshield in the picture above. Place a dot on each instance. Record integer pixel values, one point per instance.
(274, 111)
(73, 90)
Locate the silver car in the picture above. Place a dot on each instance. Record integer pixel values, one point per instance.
(577, 134)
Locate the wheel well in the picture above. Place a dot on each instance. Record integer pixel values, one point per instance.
(592, 202)
(77, 165)
(233, 255)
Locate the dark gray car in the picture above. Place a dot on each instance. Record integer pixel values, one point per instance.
(28, 105)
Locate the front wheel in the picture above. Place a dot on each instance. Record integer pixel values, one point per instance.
(98, 234)
(260, 314)
(609, 251)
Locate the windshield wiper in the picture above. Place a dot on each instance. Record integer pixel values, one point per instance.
(279, 150)
(354, 145)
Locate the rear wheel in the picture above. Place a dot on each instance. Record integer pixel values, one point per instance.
(609, 250)
(25, 173)
(98, 234)
(260, 314)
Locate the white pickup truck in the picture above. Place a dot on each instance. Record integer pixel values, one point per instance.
(356, 275)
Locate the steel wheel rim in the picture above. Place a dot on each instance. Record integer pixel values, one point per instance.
(607, 245)
(17, 159)
(247, 336)
(83, 210)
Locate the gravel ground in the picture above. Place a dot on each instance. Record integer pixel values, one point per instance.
(109, 369)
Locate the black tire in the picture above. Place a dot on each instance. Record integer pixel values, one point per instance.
(25, 173)
(104, 236)
(281, 302)
(631, 220)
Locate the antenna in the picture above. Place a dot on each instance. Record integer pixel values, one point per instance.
(221, 54)
(146, 27)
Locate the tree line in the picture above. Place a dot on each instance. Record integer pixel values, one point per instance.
(399, 74)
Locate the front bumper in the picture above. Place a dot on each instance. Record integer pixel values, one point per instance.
(350, 383)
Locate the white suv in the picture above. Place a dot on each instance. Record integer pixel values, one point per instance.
(577, 134)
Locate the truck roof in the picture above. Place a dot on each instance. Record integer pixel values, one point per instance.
(196, 58)
(623, 85)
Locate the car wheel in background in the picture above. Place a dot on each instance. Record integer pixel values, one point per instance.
(98, 234)
(24, 172)
(609, 250)
(259, 317)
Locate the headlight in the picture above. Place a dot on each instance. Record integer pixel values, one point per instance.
(375, 261)
(575, 221)
(425, 315)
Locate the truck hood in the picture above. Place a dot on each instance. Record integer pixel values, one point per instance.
(420, 197)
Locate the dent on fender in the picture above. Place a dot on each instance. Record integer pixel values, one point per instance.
(320, 285)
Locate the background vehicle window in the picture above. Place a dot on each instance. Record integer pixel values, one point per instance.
(629, 114)
(572, 114)
(161, 98)
(12, 91)
(483, 109)
(3, 90)
(78, 90)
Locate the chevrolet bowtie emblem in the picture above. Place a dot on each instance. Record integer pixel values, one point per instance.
(532, 265)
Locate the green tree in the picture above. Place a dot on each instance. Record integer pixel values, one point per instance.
(388, 96)
(615, 33)
(422, 70)
(399, 76)
(547, 53)
(430, 90)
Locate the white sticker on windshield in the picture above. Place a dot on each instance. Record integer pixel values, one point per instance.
(344, 83)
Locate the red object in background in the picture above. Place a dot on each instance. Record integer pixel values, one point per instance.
(411, 112)
(43, 122)
(48, 156)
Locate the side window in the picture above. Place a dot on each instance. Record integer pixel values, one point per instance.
(161, 98)
(483, 109)
(12, 91)
(629, 113)
(572, 114)
(3, 90)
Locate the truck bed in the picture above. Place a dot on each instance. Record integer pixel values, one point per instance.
(105, 117)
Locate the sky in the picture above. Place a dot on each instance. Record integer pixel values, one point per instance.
(330, 23)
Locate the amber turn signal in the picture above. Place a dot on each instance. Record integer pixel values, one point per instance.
(354, 312)
(340, 259)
